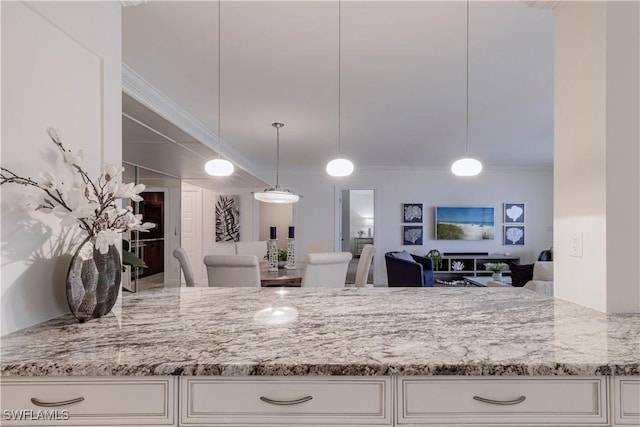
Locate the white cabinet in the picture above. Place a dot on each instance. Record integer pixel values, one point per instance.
(278, 401)
(88, 401)
(626, 401)
(500, 401)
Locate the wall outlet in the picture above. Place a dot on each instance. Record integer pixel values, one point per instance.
(575, 245)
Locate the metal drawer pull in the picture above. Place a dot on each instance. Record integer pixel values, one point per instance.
(286, 402)
(39, 402)
(500, 402)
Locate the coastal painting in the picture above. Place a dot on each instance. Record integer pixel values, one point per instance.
(465, 223)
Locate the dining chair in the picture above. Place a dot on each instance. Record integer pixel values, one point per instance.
(326, 269)
(364, 265)
(252, 247)
(233, 270)
(182, 257)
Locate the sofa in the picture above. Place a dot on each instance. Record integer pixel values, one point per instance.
(408, 270)
(541, 282)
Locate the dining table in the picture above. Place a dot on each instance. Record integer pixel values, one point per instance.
(282, 277)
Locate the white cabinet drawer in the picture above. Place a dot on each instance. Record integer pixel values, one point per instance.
(547, 401)
(626, 401)
(262, 401)
(104, 401)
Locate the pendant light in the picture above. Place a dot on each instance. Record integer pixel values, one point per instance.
(219, 166)
(467, 166)
(277, 195)
(339, 166)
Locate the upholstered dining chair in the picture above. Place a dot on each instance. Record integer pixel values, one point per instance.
(326, 269)
(182, 257)
(233, 270)
(364, 265)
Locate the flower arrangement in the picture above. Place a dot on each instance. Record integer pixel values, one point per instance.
(87, 204)
(496, 267)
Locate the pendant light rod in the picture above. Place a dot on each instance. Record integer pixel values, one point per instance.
(467, 166)
(339, 77)
(340, 166)
(277, 126)
(219, 72)
(466, 138)
(219, 166)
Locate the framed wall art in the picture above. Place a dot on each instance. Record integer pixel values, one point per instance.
(412, 235)
(227, 218)
(514, 235)
(465, 223)
(514, 213)
(412, 212)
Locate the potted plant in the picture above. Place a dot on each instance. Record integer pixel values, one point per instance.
(497, 268)
(436, 257)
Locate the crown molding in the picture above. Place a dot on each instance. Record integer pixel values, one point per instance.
(542, 4)
(148, 95)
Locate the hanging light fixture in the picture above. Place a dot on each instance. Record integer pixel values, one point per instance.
(277, 195)
(467, 166)
(219, 166)
(339, 166)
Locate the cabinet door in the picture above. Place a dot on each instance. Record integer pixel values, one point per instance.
(626, 401)
(504, 401)
(278, 401)
(88, 401)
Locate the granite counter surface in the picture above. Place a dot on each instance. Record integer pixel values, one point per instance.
(349, 331)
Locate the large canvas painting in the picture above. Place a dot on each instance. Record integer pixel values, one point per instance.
(465, 223)
(228, 219)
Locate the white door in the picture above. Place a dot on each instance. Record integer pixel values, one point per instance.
(192, 229)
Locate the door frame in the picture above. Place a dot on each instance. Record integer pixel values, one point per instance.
(337, 243)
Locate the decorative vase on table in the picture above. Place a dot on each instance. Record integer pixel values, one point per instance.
(497, 276)
(93, 281)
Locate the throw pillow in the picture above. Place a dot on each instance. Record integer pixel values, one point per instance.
(521, 274)
(403, 255)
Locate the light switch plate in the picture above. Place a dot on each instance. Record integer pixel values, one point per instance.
(575, 245)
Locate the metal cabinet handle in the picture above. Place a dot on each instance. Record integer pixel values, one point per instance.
(500, 402)
(39, 402)
(286, 402)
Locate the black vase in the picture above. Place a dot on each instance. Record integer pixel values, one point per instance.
(93, 281)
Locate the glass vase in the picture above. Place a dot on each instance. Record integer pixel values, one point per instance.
(93, 281)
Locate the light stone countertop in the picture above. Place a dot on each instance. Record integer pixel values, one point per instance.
(348, 331)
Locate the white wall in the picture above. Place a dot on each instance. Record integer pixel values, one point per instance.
(596, 154)
(316, 212)
(279, 215)
(61, 67)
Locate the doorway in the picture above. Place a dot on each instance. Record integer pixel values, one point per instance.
(356, 226)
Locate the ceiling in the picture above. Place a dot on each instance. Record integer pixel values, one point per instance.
(403, 74)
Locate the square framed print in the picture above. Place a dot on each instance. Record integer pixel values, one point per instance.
(514, 213)
(412, 212)
(412, 235)
(514, 235)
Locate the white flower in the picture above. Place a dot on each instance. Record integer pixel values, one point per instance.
(104, 239)
(88, 205)
(126, 191)
(111, 171)
(47, 181)
(74, 159)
